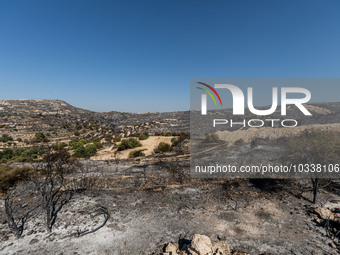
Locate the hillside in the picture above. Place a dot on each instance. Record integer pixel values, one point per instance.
(38, 106)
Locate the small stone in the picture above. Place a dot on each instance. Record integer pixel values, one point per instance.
(333, 245)
(221, 247)
(33, 241)
(221, 238)
(171, 248)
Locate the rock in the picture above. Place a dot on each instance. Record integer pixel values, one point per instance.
(221, 247)
(221, 237)
(324, 213)
(171, 249)
(201, 245)
(33, 241)
(333, 245)
(240, 253)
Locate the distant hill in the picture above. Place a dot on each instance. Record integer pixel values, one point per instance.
(39, 106)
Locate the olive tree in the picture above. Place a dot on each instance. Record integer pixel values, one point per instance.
(314, 147)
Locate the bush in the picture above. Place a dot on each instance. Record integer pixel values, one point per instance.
(5, 138)
(95, 140)
(314, 147)
(79, 152)
(40, 137)
(91, 149)
(108, 138)
(137, 153)
(177, 140)
(85, 151)
(212, 138)
(128, 144)
(21, 154)
(144, 136)
(6, 154)
(163, 147)
(98, 145)
(117, 138)
(9, 176)
(75, 143)
(59, 145)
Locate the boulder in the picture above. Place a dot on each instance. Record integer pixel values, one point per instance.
(201, 245)
(324, 213)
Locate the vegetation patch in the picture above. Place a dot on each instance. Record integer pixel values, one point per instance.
(129, 144)
(137, 153)
(163, 147)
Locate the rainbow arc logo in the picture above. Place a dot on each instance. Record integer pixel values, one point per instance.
(209, 93)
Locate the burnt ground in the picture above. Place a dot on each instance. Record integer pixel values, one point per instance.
(254, 216)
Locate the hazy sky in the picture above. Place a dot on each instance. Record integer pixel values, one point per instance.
(140, 55)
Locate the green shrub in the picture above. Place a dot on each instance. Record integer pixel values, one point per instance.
(6, 154)
(98, 145)
(75, 143)
(79, 152)
(129, 144)
(85, 151)
(163, 147)
(137, 153)
(5, 138)
(108, 138)
(144, 136)
(91, 149)
(59, 145)
(21, 154)
(117, 138)
(95, 140)
(40, 137)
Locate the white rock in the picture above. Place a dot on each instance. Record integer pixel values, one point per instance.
(201, 244)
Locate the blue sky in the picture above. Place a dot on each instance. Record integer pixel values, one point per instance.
(139, 56)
